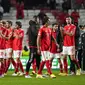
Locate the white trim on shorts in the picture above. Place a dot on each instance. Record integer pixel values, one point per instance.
(45, 55)
(17, 53)
(55, 55)
(68, 50)
(2, 53)
(8, 51)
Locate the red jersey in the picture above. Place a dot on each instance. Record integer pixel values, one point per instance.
(9, 41)
(2, 40)
(45, 34)
(53, 47)
(69, 40)
(17, 42)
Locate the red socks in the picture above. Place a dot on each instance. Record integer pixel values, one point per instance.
(34, 65)
(41, 67)
(21, 66)
(13, 62)
(48, 66)
(65, 65)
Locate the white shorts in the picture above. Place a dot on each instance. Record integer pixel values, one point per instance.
(8, 53)
(2, 53)
(55, 55)
(68, 50)
(17, 53)
(45, 55)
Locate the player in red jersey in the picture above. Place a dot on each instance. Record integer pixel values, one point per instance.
(69, 44)
(55, 51)
(17, 47)
(2, 48)
(43, 45)
(9, 42)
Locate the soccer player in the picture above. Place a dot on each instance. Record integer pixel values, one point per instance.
(17, 47)
(9, 51)
(2, 48)
(43, 44)
(55, 51)
(69, 44)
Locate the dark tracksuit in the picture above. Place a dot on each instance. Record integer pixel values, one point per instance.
(79, 51)
(32, 37)
(83, 51)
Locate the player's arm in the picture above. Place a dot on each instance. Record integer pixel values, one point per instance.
(10, 36)
(61, 31)
(38, 43)
(55, 41)
(19, 35)
(72, 33)
(2, 35)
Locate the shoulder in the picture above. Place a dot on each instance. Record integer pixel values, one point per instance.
(21, 30)
(65, 26)
(73, 25)
(41, 28)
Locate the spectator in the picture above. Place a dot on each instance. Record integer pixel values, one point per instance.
(75, 16)
(52, 4)
(25, 51)
(20, 10)
(66, 5)
(62, 17)
(79, 3)
(6, 5)
(1, 12)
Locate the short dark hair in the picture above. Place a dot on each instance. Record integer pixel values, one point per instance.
(10, 22)
(45, 20)
(30, 22)
(35, 16)
(54, 24)
(3, 22)
(19, 23)
(71, 18)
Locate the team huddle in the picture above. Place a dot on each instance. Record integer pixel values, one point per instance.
(10, 43)
(56, 42)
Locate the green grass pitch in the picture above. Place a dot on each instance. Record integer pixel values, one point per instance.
(59, 80)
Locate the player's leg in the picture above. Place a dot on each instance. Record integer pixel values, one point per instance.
(65, 52)
(1, 63)
(60, 65)
(17, 55)
(8, 61)
(34, 66)
(48, 65)
(43, 60)
(74, 60)
(51, 57)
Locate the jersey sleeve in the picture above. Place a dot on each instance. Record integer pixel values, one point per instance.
(22, 33)
(40, 32)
